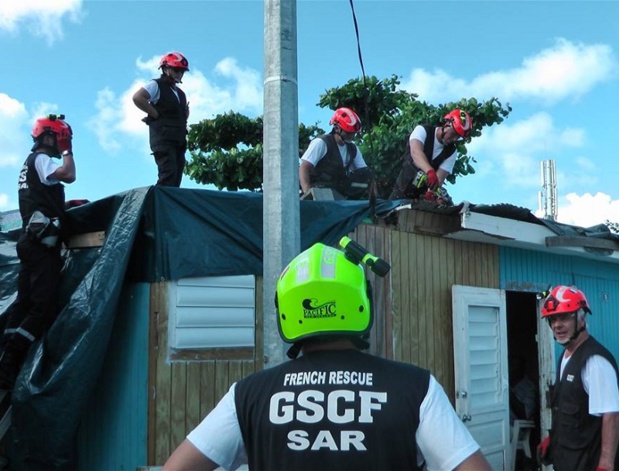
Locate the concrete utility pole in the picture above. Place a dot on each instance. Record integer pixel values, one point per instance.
(281, 164)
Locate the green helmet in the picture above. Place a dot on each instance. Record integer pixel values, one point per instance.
(322, 293)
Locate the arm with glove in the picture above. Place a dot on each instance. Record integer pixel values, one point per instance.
(434, 178)
(543, 457)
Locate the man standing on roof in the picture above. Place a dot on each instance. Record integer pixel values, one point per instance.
(168, 110)
(41, 204)
(333, 161)
(334, 407)
(585, 402)
(430, 157)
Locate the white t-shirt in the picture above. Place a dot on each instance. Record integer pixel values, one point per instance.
(596, 379)
(419, 133)
(152, 87)
(45, 166)
(442, 438)
(317, 149)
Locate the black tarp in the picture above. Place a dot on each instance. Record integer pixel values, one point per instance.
(152, 234)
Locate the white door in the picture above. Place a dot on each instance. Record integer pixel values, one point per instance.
(547, 370)
(481, 369)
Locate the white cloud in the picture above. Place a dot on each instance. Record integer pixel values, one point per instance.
(565, 70)
(588, 210)
(5, 204)
(40, 17)
(513, 151)
(118, 118)
(106, 123)
(14, 133)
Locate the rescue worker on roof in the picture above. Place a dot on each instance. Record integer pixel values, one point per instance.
(168, 110)
(585, 402)
(333, 161)
(42, 208)
(334, 407)
(430, 158)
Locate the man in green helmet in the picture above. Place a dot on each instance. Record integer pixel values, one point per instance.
(334, 407)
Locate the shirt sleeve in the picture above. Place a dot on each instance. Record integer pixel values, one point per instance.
(316, 150)
(603, 391)
(153, 90)
(442, 438)
(359, 161)
(45, 166)
(219, 437)
(419, 134)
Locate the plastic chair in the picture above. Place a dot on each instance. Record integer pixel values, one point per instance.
(521, 434)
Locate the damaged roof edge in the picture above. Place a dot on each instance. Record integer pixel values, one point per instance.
(478, 227)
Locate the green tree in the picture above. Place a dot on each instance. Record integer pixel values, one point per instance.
(389, 115)
(227, 151)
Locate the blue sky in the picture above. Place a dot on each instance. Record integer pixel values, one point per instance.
(555, 62)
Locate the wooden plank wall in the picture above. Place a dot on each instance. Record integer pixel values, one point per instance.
(424, 268)
(377, 239)
(412, 324)
(181, 393)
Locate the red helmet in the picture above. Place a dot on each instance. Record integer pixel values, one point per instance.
(346, 119)
(174, 59)
(56, 125)
(461, 122)
(564, 300)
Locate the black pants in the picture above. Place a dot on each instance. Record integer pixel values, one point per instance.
(36, 306)
(170, 164)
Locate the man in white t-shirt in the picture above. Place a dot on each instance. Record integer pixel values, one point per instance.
(334, 407)
(333, 161)
(168, 110)
(42, 208)
(430, 157)
(585, 402)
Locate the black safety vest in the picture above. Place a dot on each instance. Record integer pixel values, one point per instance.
(332, 410)
(36, 196)
(576, 435)
(171, 126)
(330, 171)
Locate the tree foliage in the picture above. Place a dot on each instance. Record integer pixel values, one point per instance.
(227, 151)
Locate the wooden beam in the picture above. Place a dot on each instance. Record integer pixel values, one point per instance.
(584, 242)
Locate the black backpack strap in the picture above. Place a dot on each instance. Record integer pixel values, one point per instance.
(351, 149)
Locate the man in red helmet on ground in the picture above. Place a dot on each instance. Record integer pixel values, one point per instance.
(41, 204)
(168, 110)
(334, 161)
(585, 401)
(430, 157)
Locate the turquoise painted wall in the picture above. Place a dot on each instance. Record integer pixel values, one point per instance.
(527, 270)
(113, 433)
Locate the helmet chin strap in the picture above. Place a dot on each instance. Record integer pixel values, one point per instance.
(169, 77)
(574, 336)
